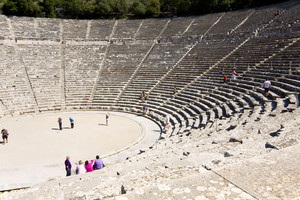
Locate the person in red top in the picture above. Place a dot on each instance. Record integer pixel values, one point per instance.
(89, 166)
(60, 123)
(225, 78)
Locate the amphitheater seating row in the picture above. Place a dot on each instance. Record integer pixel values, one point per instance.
(15, 92)
(162, 57)
(119, 65)
(243, 21)
(244, 94)
(42, 63)
(82, 64)
(111, 75)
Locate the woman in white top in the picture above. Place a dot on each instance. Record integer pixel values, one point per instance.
(267, 86)
(233, 76)
(167, 125)
(80, 169)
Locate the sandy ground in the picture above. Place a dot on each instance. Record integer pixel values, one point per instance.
(37, 147)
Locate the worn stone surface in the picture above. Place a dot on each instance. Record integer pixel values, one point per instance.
(253, 171)
(272, 176)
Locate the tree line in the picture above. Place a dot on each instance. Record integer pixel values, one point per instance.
(100, 9)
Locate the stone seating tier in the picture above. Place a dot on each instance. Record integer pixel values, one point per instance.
(80, 26)
(151, 28)
(127, 29)
(202, 24)
(177, 27)
(4, 28)
(101, 29)
(260, 18)
(229, 22)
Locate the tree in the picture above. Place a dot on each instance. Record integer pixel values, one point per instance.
(202, 6)
(177, 6)
(89, 9)
(49, 8)
(22, 8)
(103, 9)
(138, 8)
(1, 5)
(72, 8)
(10, 8)
(153, 8)
(120, 7)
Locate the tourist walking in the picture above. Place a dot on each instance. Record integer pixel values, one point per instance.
(233, 76)
(60, 123)
(267, 86)
(98, 164)
(167, 122)
(5, 134)
(145, 110)
(174, 91)
(71, 122)
(68, 166)
(224, 78)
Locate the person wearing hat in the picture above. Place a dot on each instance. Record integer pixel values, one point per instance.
(80, 169)
(68, 166)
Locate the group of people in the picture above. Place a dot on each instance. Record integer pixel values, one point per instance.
(266, 84)
(72, 121)
(60, 122)
(277, 12)
(143, 96)
(5, 134)
(87, 166)
(232, 78)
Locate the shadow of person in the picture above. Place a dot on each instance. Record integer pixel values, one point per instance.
(102, 124)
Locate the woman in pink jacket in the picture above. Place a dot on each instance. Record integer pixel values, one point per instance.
(89, 166)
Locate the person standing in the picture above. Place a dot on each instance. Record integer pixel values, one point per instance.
(71, 122)
(60, 123)
(174, 91)
(98, 164)
(224, 78)
(107, 118)
(267, 86)
(68, 166)
(5, 134)
(233, 76)
(145, 110)
(167, 122)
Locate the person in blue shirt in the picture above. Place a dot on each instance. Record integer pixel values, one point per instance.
(72, 122)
